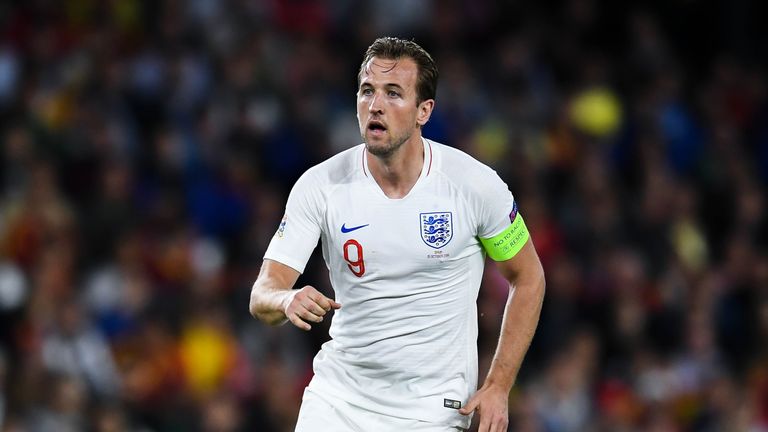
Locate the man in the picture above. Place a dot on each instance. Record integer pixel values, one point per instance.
(405, 224)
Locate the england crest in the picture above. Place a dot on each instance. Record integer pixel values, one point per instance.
(436, 228)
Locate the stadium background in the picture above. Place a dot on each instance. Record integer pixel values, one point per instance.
(148, 147)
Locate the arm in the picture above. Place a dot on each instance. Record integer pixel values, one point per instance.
(521, 316)
(274, 301)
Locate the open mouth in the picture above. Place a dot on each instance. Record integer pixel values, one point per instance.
(376, 126)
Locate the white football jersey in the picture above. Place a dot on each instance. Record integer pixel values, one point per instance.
(407, 273)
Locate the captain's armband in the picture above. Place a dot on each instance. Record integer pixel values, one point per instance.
(508, 242)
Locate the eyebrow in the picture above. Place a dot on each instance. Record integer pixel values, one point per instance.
(395, 85)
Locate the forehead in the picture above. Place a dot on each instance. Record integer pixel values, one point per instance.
(402, 71)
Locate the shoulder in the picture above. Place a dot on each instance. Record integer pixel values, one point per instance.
(463, 170)
(334, 170)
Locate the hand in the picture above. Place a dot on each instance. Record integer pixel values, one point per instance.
(492, 405)
(307, 305)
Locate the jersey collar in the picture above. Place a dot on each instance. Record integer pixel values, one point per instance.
(426, 169)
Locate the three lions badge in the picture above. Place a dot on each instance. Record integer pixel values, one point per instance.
(436, 228)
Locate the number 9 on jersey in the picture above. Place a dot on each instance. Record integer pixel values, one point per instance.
(354, 258)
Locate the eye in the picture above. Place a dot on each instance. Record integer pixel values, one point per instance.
(366, 91)
(393, 93)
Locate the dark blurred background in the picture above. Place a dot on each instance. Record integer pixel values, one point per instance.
(148, 148)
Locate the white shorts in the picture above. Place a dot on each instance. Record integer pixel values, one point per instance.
(330, 414)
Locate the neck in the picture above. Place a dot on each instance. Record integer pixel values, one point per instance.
(396, 174)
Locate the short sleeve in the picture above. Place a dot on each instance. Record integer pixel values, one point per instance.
(495, 203)
(299, 231)
(501, 229)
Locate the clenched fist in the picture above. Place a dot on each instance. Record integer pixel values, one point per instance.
(307, 305)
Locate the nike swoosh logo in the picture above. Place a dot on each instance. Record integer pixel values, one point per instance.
(345, 230)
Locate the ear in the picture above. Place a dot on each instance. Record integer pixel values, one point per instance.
(424, 111)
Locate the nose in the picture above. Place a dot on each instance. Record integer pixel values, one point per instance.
(375, 106)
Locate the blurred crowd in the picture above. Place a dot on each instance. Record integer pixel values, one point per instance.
(147, 148)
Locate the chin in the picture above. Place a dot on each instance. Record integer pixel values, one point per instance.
(384, 147)
(379, 148)
(376, 148)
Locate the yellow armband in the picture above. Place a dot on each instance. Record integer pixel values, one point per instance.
(509, 242)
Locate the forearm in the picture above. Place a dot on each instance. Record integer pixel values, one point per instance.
(521, 316)
(271, 292)
(268, 303)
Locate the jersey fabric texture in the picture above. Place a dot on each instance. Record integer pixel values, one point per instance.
(407, 273)
(331, 414)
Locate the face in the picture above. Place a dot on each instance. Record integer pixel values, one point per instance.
(387, 112)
